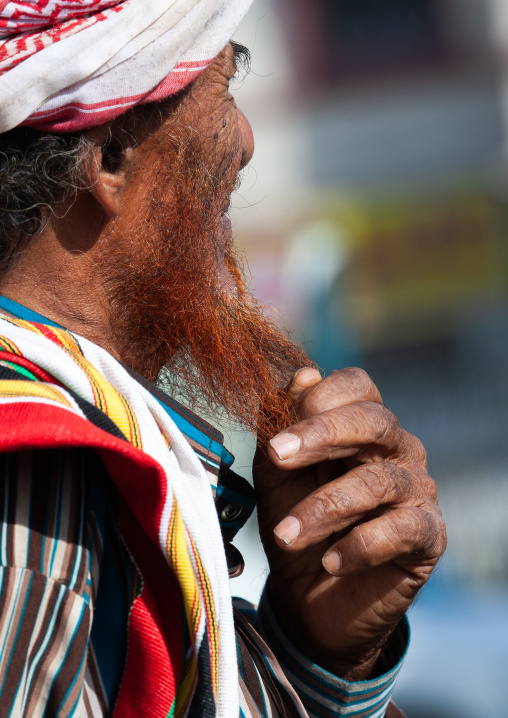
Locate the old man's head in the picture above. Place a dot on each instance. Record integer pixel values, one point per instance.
(132, 215)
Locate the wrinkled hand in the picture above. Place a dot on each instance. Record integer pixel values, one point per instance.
(349, 520)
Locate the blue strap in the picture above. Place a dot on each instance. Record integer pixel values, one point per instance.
(21, 312)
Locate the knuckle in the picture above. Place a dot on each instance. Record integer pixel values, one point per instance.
(388, 425)
(421, 531)
(326, 504)
(429, 489)
(416, 449)
(319, 429)
(442, 538)
(380, 481)
(408, 486)
(325, 430)
(359, 382)
(385, 425)
(365, 541)
(401, 480)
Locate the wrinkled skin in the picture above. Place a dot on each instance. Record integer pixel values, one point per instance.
(358, 483)
(359, 491)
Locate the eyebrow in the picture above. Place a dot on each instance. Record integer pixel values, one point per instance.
(241, 57)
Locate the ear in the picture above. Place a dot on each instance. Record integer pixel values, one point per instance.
(105, 185)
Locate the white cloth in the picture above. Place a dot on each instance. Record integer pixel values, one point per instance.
(186, 478)
(72, 65)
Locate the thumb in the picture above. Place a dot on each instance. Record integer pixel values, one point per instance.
(303, 379)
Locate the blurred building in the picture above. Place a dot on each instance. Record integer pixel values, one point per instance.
(379, 220)
(375, 217)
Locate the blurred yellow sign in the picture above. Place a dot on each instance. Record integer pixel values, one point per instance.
(418, 267)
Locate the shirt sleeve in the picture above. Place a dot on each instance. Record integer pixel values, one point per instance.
(324, 694)
(50, 548)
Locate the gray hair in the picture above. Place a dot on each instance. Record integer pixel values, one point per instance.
(38, 171)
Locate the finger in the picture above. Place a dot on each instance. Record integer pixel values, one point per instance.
(412, 536)
(303, 380)
(338, 389)
(342, 503)
(345, 431)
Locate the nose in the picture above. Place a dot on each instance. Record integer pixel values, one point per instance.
(247, 138)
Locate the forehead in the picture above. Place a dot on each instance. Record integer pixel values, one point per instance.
(211, 89)
(225, 63)
(199, 106)
(215, 79)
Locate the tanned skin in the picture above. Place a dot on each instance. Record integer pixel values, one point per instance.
(348, 515)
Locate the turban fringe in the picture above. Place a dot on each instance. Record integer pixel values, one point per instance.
(70, 65)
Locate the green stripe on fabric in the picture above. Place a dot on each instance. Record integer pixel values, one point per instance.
(172, 711)
(20, 369)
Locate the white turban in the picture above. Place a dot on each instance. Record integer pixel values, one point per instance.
(69, 65)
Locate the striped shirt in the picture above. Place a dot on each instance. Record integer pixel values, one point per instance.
(67, 583)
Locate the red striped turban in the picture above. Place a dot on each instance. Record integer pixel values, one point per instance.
(69, 65)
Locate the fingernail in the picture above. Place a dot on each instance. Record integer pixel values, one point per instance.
(332, 561)
(285, 445)
(288, 530)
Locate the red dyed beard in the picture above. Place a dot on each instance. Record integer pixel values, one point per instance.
(170, 305)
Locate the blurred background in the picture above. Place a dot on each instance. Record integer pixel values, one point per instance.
(375, 218)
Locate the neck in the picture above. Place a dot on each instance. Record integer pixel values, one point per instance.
(64, 283)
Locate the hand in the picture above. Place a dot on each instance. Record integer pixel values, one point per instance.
(348, 518)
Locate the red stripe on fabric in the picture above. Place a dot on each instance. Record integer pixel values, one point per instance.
(128, 99)
(26, 425)
(212, 629)
(28, 35)
(150, 618)
(172, 84)
(85, 107)
(3, 4)
(154, 656)
(194, 65)
(76, 116)
(49, 333)
(26, 364)
(188, 68)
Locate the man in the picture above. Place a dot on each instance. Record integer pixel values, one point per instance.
(120, 148)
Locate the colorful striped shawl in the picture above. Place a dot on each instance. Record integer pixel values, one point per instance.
(76, 394)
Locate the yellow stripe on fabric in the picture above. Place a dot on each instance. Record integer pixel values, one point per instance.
(67, 340)
(33, 390)
(109, 400)
(180, 561)
(8, 346)
(186, 687)
(213, 628)
(179, 558)
(106, 397)
(23, 324)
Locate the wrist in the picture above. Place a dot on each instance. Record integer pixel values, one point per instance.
(357, 659)
(322, 692)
